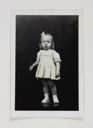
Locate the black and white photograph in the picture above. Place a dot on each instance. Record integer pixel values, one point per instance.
(47, 63)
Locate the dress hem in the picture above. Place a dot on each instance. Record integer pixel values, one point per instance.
(48, 78)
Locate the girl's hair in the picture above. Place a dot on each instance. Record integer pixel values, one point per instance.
(42, 34)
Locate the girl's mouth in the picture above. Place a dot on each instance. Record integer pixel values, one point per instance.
(46, 47)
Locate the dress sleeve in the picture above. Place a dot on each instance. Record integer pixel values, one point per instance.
(38, 56)
(56, 57)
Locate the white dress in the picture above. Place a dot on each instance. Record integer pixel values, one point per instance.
(46, 67)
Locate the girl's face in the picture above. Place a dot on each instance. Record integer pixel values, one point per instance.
(46, 42)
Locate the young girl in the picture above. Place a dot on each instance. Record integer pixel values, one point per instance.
(48, 70)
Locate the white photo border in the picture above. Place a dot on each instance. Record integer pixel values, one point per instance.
(75, 114)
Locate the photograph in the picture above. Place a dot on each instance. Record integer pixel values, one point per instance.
(47, 63)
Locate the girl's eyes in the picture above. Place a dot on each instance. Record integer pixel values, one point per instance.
(46, 41)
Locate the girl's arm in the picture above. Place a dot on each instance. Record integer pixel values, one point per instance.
(33, 65)
(57, 69)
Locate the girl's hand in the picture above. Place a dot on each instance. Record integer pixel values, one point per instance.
(31, 68)
(57, 74)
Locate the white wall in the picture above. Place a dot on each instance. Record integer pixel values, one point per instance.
(5, 120)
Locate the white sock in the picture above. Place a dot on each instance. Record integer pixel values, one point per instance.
(46, 95)
(55, 99)
(46, 99)
(54, 96)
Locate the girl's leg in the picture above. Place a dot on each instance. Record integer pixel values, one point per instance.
(45, 90)
(53, 90)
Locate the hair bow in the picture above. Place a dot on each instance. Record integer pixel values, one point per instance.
(43, 33)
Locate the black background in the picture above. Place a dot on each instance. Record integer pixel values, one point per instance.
(28, 90)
